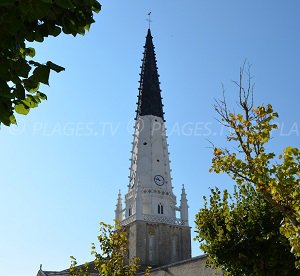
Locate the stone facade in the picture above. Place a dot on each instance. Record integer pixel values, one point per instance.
(192, 267)
(158, 244)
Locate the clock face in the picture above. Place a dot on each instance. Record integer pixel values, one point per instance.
(159, 180)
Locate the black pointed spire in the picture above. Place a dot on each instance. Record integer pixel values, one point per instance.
(149, 102)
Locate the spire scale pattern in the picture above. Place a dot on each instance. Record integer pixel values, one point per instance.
(150, 102)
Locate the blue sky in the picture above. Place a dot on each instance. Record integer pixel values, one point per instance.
(63, 165)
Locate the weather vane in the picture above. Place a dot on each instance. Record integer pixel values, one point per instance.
(149, 19)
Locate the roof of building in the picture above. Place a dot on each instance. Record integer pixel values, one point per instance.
(91, 268)
(93, 271)
(179, 263)
(150, 101)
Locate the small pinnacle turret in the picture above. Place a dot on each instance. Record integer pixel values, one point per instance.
(150, 102)
(184, 206)
(119, 208)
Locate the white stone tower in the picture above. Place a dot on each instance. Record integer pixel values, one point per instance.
(156, 235)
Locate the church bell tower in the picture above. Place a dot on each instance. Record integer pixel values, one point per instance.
(156, 235)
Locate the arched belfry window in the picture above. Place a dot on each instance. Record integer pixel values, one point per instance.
(160, 208)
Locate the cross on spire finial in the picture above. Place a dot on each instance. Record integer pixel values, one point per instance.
(149, 19)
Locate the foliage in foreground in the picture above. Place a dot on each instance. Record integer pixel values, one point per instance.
(23, 21)
(240, 234)
(113, 243)
(277, 178)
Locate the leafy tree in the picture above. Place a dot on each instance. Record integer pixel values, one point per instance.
(240, 234)
(113, 242)
(277, 178)
(23, 21)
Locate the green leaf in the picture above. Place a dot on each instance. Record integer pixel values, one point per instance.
(31, 101)
(41, 74)
(13, 120)
(5, 113)
(4, 120)
(4, 88)
(22, 68)
(41, 95)
(66, 4)
(34, 63)
(22, 109)
(30, 36)
(56, 31)
(97, 7)
(81, 31)
(19, 92)
(4, 72)
(55, 67)
(38, 37)
(31, 85)
(30, 52)
(6, 3)
(87, 27)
